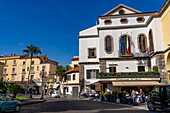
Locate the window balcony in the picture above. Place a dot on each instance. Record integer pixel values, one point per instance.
(13, 73)
(32, 72)
(5, 74)
(129, 75)
(23, 72)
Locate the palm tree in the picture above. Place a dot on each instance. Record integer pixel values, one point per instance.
(31, 50)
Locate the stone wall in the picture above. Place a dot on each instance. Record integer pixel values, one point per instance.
(102, 65)
(160, 62)
(81, 75)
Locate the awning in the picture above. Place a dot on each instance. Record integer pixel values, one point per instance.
(135, 83)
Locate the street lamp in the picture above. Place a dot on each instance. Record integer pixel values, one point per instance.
(42, 75)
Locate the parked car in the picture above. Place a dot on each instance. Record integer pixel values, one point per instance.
(8, 103)
(159, 98)
(56, 95)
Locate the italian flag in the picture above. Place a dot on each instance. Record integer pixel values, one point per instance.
(127, 45)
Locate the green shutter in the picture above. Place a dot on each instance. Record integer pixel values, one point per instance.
(88, 74)
(97, 74)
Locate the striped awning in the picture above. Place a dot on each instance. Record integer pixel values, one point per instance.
(135, 83)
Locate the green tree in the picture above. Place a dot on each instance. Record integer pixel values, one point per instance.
(31, 50)
(67, 68)
(15, 89)
(61, 72)
(3, 85)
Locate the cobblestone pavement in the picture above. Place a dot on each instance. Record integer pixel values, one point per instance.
(68, 105)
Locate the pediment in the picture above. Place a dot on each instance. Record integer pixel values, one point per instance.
(121, 7)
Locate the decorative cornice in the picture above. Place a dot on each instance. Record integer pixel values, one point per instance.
(121, 27)
(88, 36)
(164, 7)
(89, 62)
(124, 58)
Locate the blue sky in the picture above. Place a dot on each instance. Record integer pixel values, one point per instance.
(53, 25)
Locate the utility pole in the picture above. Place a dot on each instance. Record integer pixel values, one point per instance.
(42, 91)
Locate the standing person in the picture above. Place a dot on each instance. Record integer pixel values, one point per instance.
(128, 97)
(133, 96)
(120, 96)
(141, 95)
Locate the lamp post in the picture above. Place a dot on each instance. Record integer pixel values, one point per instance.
(42, 76)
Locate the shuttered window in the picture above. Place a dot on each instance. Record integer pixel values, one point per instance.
(112, 69)
(92, 74)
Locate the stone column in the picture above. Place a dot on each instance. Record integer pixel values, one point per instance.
(160, 62)
(102, 66)
(81, 75)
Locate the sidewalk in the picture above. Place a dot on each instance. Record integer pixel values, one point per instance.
(35, 99)
(139, 106)
(32, 101)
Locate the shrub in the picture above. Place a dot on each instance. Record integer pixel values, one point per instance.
(115, 93)
(155, 69)
(123, 93)
(108, 93)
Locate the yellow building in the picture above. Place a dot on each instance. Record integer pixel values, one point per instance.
(16, 70)
(165, 19)
(1, 69)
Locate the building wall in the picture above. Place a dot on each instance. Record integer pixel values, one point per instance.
(50, 70)
(165, 19)
(73, 63)
(127, 66)
(1, 70)
(87, 82)
(116, 21)
(10, 65)
(86, 43)
(70, 89)
(76, 78)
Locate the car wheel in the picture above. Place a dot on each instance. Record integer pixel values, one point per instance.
(17, 108)
(151, 106)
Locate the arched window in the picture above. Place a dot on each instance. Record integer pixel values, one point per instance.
(142, 44)
(108, 44)
(151, 45)
(125, 45)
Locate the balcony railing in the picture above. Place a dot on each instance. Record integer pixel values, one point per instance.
(129, 75)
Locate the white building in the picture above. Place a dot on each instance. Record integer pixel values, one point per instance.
(125, 40)
(72, 85)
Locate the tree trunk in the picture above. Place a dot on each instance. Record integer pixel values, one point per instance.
(29, 75)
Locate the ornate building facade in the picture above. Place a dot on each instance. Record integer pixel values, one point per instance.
(127, 42)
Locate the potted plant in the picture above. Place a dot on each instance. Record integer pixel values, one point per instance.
(101, 96)
(123, 97)
(107, 94)
(115, 93)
